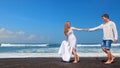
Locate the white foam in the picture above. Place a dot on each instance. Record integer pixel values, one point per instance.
(89, 45)
(117, 44)
(27, 55)
(12, 45)
(31, 55)
(44, 45)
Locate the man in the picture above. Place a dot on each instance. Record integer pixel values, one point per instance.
(109, 35)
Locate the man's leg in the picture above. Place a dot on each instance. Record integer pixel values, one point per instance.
(109, 56)
(103, 46)
(108, 43)
(112, 58)
(104, 49)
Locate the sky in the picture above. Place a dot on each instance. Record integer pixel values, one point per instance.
(42, 21)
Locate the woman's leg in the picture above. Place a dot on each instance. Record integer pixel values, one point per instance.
(75, 56)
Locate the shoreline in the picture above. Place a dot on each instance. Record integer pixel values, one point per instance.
(47, 55)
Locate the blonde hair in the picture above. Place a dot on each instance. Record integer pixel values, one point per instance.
(66, 27)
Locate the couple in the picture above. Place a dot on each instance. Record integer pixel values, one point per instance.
(110, 35)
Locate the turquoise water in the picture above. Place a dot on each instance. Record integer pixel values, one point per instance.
(51, 48)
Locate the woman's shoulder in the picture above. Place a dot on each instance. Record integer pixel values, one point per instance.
(70, 30)
(72, 27)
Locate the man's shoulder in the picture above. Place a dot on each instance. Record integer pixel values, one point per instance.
(111, 22)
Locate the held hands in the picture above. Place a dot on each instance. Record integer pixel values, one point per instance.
(88, 30)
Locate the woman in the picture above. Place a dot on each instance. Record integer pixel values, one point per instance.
(68, 31)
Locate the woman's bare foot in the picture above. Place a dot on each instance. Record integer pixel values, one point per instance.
(75, 61)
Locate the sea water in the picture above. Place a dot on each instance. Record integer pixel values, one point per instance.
(51, 50)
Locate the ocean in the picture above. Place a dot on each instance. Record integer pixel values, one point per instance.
(51, 50)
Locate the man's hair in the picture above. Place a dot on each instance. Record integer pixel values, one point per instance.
(105, 15)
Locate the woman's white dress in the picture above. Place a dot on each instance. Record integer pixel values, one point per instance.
(65, 50)
(71, 38)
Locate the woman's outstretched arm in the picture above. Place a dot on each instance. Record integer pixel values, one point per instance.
(79, 29)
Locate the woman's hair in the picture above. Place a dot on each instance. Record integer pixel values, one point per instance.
(66, 27)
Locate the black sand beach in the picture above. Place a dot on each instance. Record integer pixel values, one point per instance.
(85, 62)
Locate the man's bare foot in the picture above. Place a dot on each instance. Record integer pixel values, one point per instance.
(108, 62)
(113, 58)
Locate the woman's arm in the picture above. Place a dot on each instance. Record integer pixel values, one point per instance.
(79, 29)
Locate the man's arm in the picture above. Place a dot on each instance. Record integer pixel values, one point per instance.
(115, 32)
(95, 28)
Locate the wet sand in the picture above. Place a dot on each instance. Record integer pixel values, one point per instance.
(85, 62)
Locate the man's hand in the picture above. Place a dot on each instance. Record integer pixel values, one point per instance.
(115, 40)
